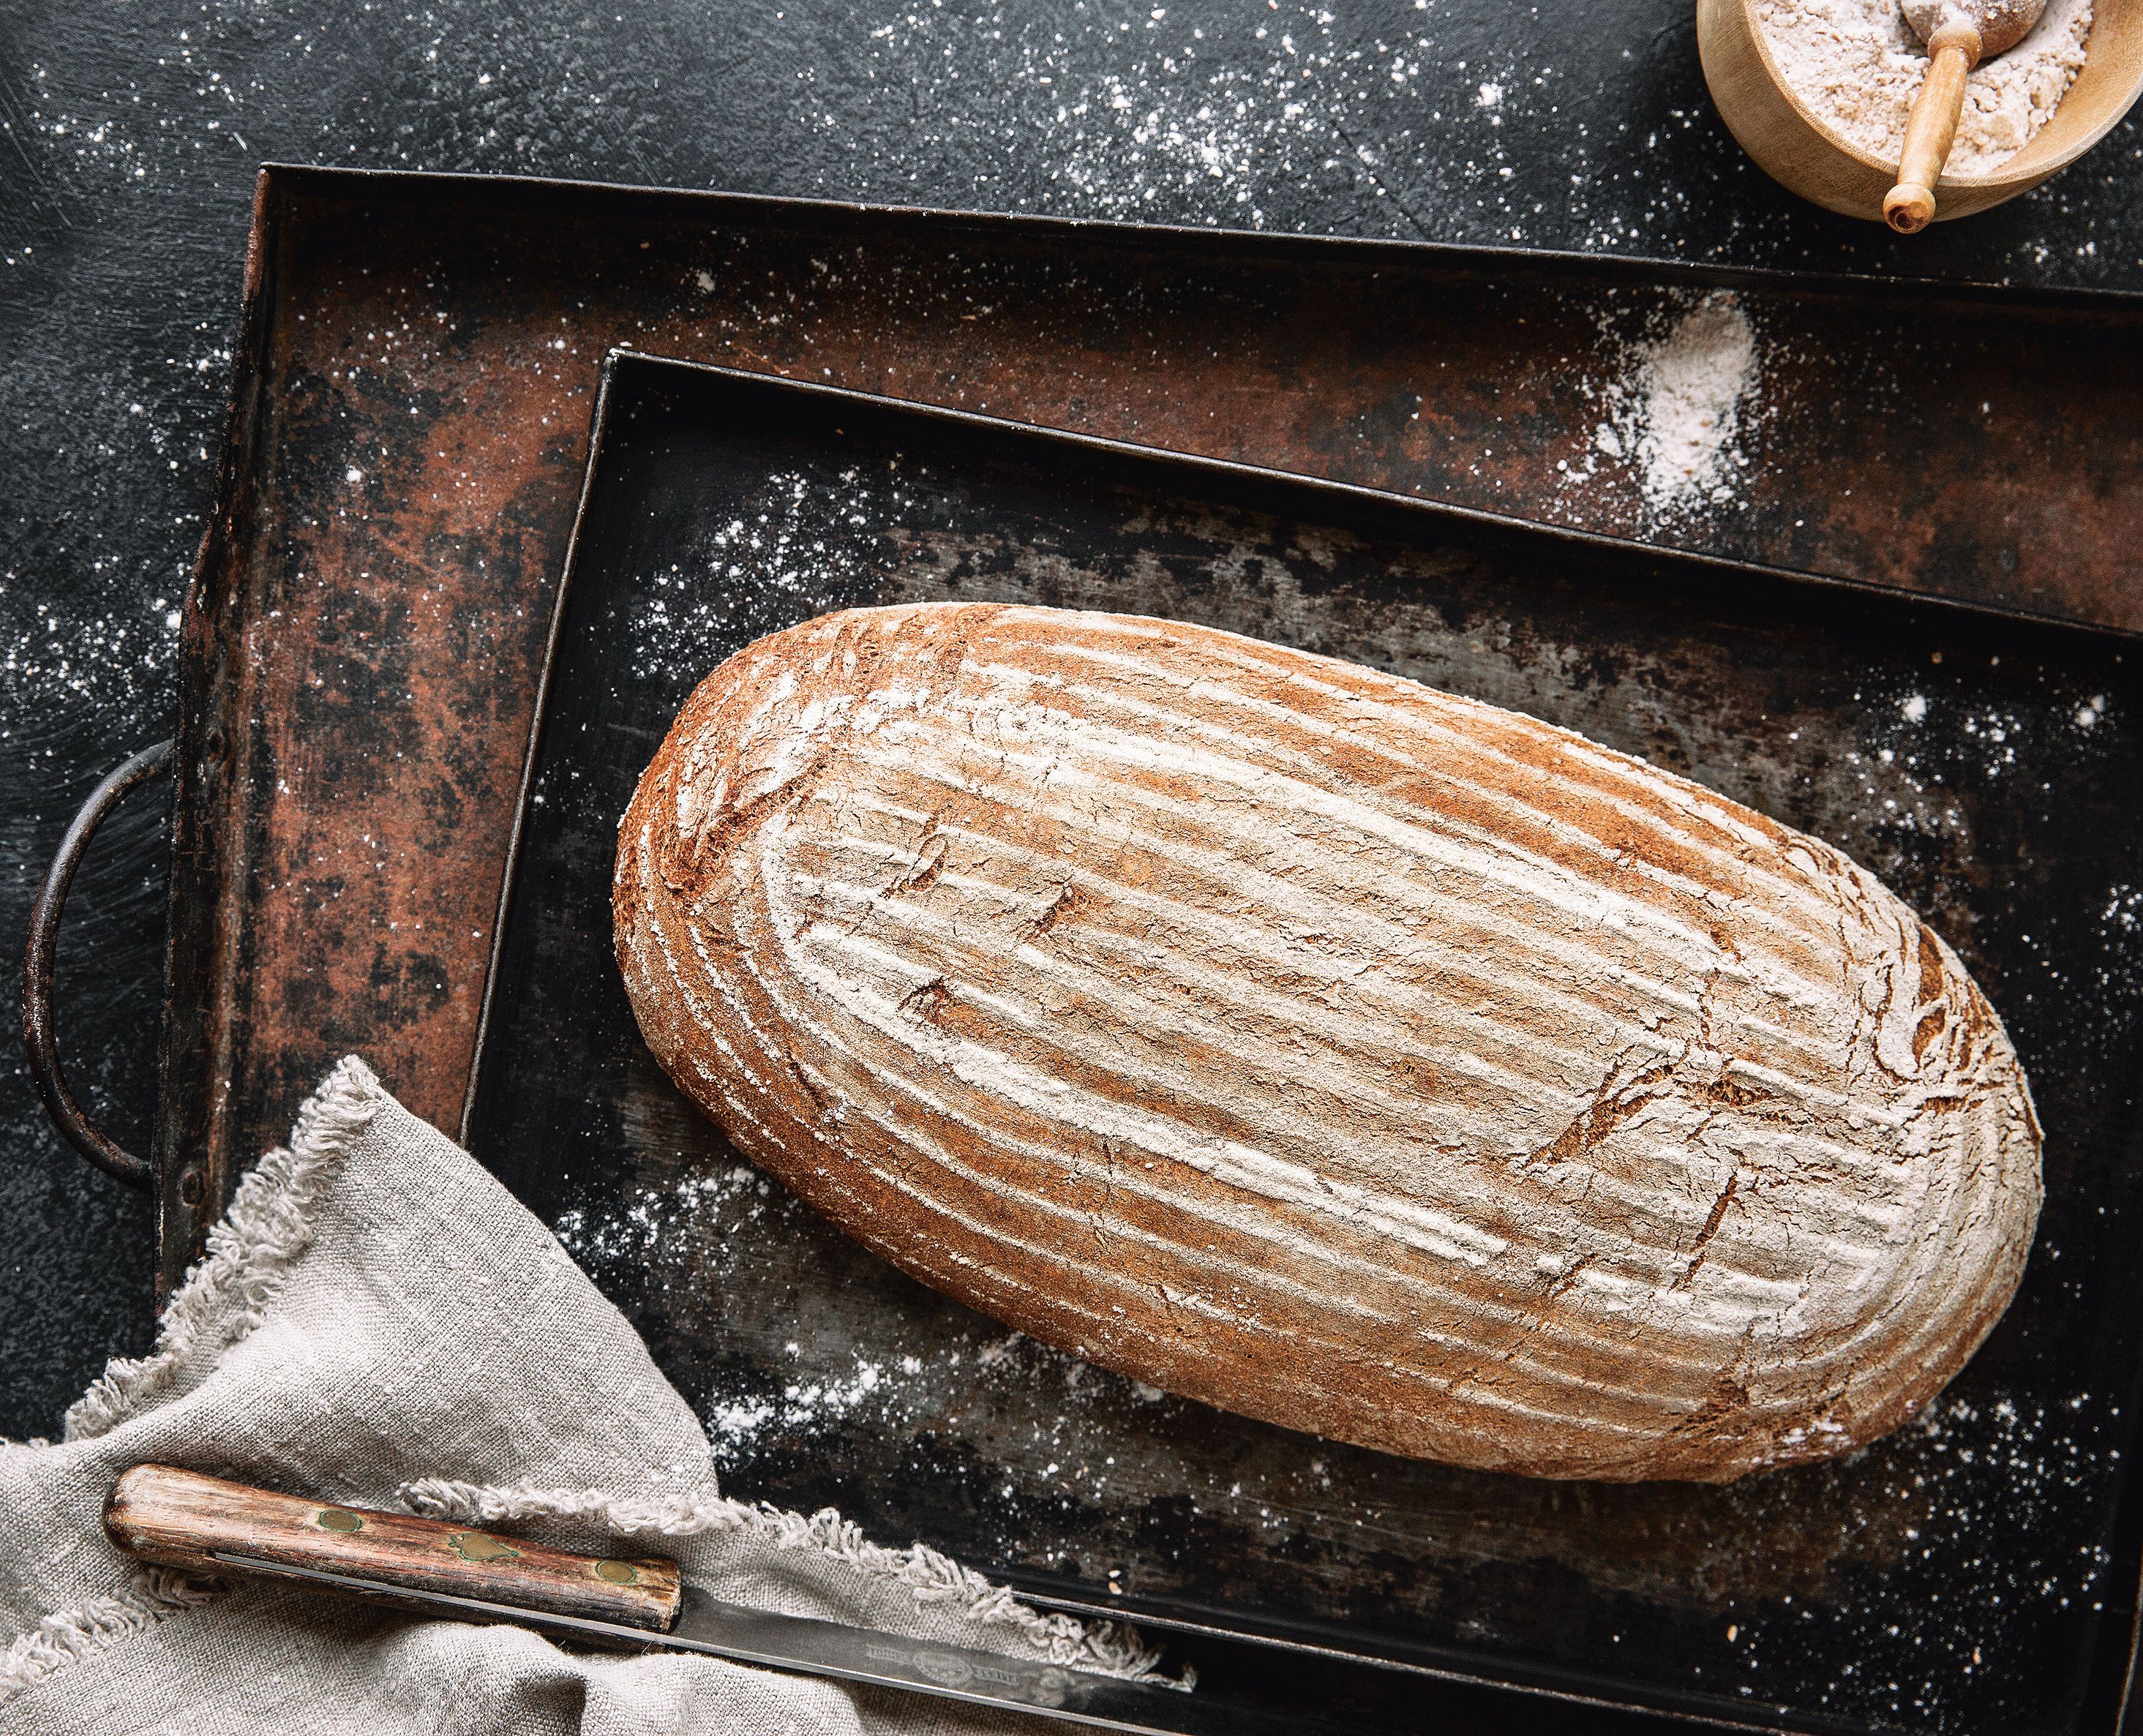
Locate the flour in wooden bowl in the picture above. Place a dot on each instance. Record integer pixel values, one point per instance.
(1857, 65)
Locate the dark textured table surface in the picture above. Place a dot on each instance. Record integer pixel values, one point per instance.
(131, 135)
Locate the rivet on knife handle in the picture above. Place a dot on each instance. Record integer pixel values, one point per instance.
(182, 1519)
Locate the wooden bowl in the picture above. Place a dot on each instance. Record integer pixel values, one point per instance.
(1799, 150)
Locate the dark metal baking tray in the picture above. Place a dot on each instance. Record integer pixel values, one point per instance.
(1975, 1573)
(413, 383)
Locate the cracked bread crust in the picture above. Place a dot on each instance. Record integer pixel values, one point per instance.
(1338, 1051)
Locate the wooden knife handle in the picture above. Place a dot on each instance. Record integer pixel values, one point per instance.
(182, 1519)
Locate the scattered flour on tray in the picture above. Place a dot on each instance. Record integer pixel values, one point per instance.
(1858, 65)
(1674, 414)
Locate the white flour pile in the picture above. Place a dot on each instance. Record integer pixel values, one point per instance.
(1676, 412)
(1858, 65)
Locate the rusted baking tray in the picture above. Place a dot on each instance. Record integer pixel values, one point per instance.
(414, 381)
(1973, 1573)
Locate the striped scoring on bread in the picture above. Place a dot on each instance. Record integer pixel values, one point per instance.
(1336, 1050)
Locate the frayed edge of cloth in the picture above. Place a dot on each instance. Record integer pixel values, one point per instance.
(249, 1252)
(61, 1640)
(1108, 1647)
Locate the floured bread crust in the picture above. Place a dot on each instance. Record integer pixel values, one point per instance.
(1330, 1049)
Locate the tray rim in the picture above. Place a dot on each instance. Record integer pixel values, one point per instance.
(1640, 268)
(2108, 1658)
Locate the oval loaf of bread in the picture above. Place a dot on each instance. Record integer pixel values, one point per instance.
(1305, 1040)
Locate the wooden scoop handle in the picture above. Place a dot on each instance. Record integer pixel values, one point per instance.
(1910, 205)
(184, 1519)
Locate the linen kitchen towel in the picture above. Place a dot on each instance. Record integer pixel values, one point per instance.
(378, 1322)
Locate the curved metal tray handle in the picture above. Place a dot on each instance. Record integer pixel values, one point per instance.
(39, 1035)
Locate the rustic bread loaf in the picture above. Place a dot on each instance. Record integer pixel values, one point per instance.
(1305, 1040)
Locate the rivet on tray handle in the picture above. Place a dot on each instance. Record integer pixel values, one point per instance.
(182, 1519)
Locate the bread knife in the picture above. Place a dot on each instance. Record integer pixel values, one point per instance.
(202, 1524)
